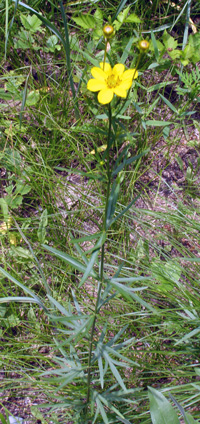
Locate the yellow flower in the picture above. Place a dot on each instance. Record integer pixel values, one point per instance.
(109, 81)
(99, 149)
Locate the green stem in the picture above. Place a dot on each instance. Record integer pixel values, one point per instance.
(101, 273)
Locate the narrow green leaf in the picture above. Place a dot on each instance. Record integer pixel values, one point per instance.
(161, 410)
(86, 238)
(100, 409)
(3, 420)
(159, 85)
(4, 208)
(187, 417)
(188, 336)
(169, 104)
(22, 299)
(128, 293)
(124, 210)
(41, 232)
(69, 259)
(153, 38)
(119, 9)
(101, 373)
(26, 289)
(153, 123)
(112, 202)
(127, 49)
(94, 255)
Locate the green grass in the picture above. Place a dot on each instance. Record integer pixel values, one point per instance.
(55, 191)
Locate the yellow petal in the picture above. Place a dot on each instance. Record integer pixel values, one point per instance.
(105, 96)
(131, 73)
(125, 85)
(107, 67)
(96, 85)
(98, 73)
(118, 69)
(120, 92)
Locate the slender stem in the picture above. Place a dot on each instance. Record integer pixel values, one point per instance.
(101, 272)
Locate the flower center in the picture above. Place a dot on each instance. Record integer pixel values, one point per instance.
(113, 81)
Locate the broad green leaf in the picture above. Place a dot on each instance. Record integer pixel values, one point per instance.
(133, 18)
(123, 15)
(32, 98)
(169, 41)
(161, 410)
(190, 419)
(85, 21)
(22, 188)
(22, 253)
(99, 17)
(44, 20)
(31, 23)
(52, 44)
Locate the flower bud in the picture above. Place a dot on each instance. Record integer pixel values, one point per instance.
(143, 45)
(108, 31)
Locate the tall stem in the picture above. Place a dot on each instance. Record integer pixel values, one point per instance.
(101, 272)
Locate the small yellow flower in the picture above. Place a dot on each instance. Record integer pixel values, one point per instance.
(99, 149)
(109, 81)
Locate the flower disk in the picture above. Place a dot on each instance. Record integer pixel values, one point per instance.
(109, 81)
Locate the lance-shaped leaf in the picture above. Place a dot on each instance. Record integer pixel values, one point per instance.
(69, 259)
(161, 410)
(24, 288)
(93, 258)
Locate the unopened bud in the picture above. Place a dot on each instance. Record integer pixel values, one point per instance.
(143, 45)
(108, 31)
